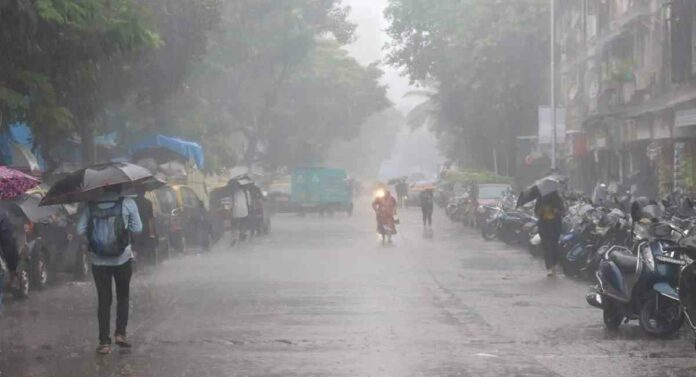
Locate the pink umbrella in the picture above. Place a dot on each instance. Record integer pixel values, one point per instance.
(14, 183)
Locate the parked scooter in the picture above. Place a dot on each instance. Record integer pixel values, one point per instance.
(510, 225)
(642, 284)
(456, 208)
(594, 232)
(686, 253)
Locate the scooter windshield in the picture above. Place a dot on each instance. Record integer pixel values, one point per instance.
(652, 211)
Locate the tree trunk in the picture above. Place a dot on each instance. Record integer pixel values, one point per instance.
(250, 153)
(88, 145)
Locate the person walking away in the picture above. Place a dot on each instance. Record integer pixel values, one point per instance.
(401, 193)
(240, 211)
(254, 204)
(256, 209)
(385, 208)
(8, 253)
(427, 200)
(145, 242)
(108, 225)
(549, 211)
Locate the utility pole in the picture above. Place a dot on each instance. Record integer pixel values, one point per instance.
(495, 161)
(553, 85)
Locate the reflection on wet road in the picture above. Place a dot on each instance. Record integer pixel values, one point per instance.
(322, 297)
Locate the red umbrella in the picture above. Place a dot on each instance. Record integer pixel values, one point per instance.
(14, 183)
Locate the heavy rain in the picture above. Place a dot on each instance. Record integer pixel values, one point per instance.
(397, 188)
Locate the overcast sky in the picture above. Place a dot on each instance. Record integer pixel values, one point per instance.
(369, 16)
(368, 48)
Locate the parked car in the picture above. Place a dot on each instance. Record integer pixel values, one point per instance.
(278, 196)
(154, 250)
(220, 205)
(489, 194)
(189, 224)
(46, 241)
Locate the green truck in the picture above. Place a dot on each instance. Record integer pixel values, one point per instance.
(320, 189)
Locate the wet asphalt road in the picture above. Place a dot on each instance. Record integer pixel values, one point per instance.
(322, 297)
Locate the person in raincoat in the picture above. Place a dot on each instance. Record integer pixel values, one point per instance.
(385, 208)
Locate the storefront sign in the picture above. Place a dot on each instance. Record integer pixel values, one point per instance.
(661, 128)
(546, 128)
(685, 118)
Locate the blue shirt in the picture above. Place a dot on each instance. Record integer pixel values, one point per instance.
(131, 217)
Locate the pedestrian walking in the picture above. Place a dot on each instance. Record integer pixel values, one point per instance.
(427, 201)
(145, 242)
(240, 212)
(109, 224)
(549, 211)
(401, 192)
(8, 253)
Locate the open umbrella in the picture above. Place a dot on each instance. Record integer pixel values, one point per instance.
(539, 189)
(31, 208)
(243, 180)
(94, 182)
(395, 181)
(14, 183)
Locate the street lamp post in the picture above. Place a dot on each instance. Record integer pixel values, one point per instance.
(553, 85)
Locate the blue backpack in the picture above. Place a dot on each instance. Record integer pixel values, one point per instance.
(107, 233)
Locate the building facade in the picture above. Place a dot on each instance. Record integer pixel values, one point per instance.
(628, 81)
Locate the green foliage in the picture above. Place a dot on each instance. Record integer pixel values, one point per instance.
(262, 81)
(59, 59)
(274, 86)
(487, 58)
(474, 175)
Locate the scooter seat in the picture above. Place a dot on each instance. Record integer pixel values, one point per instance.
(626, 263)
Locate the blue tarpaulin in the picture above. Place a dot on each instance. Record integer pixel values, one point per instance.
(20, 134)
(187, 149)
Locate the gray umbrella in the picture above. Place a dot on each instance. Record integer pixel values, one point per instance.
(97, 181)
(539, 189)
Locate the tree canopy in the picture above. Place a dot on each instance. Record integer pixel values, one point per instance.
(255, 81)
(484, 61)
(275, 87)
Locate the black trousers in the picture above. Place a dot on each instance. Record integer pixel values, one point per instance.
(121, 275)
(550, 233)
(427, 215)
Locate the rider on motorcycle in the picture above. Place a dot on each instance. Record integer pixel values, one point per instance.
(385, 208)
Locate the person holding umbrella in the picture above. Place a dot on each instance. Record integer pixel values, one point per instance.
(13, 183)
(108, 220)
(8, 252)
(549, 209)
(108, 224)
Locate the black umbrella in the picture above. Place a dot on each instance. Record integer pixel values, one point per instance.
(396, 181)
(539, 189)
(95, 182)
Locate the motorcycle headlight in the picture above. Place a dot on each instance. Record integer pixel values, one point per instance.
(648, 257)
(481, 210)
